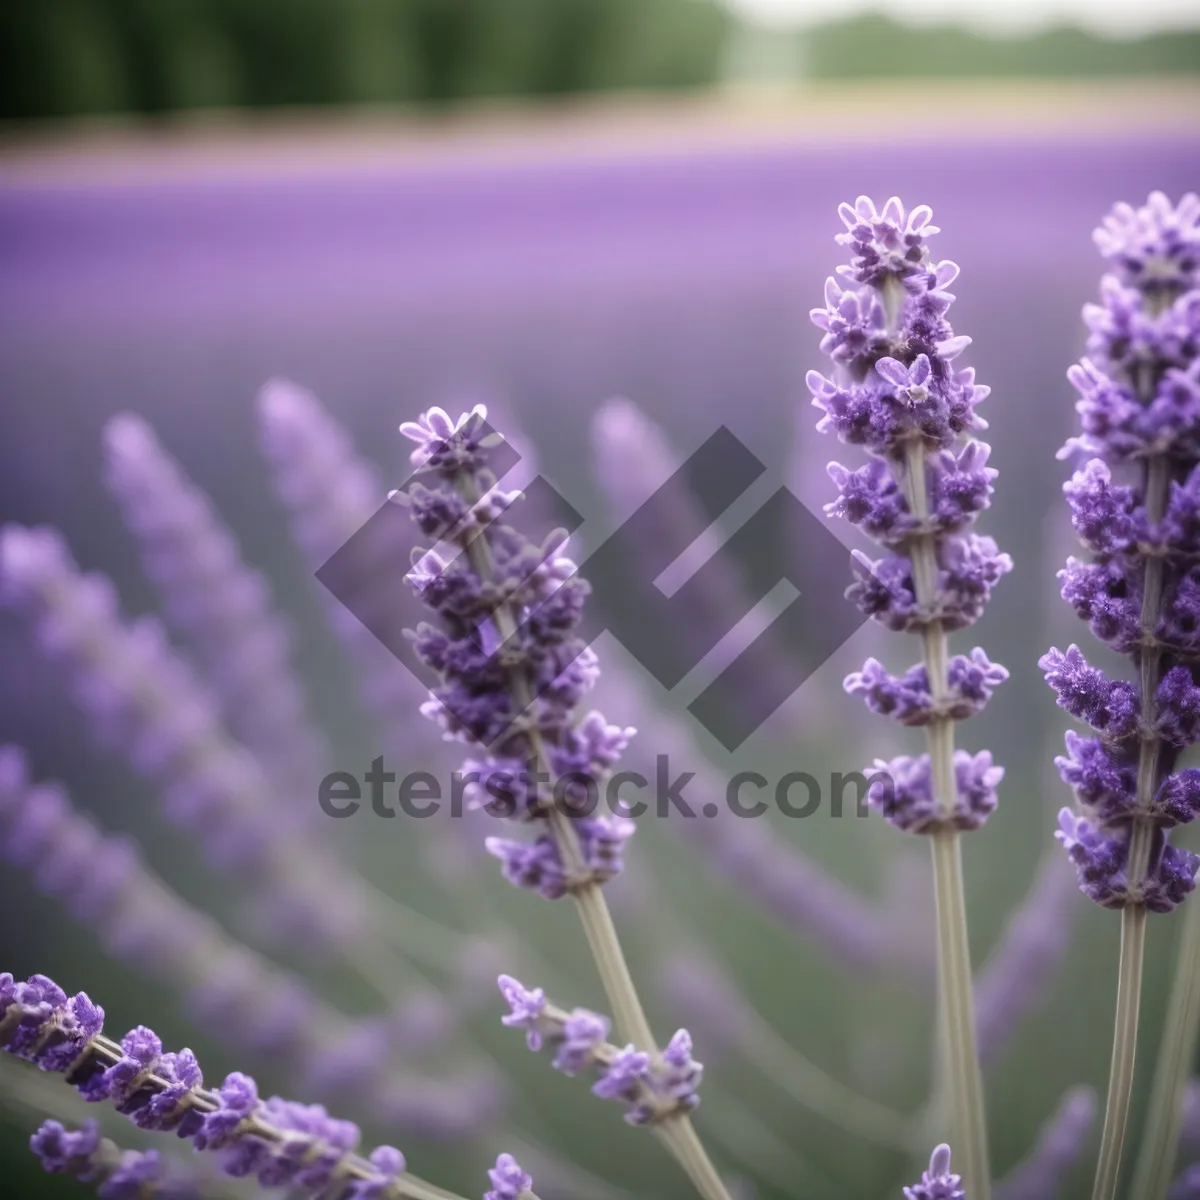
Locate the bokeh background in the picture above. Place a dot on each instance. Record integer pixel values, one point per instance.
(545, 204)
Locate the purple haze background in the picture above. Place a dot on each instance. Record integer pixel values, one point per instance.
(681, 278)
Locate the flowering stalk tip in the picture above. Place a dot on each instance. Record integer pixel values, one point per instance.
(897, 390)
(1134, 504)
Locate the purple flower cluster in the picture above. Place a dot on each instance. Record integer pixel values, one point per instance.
(40, 1023)
(939, 1182)
(1136, 509)
(279, 1142)
(509, 1181)
(119, 1175)
(221, 606)
(512, 667)
(897, 390)
(652, 1087)
(143, 697)
(971, 680)
(230, 991)
(902, 791)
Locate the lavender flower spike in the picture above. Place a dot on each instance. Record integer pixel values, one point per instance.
(896, 389)
(221, 606)
(507, 688)
(230, 992)
(279, 1142)
(141, 695)
(939, 1182)
(652, 1089)
(118, 1174)
(513, 670)
(1134, 505)
(509, 1181)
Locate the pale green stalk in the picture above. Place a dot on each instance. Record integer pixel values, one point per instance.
(676, 1132)
(964, 1081)
(1133, 915)
(1176, 1054)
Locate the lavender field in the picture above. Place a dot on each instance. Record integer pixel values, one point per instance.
(545, 281)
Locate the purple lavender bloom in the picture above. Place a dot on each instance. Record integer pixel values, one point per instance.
(221, 606)
(143, 697)
(278, 1142)
(509, 1181)
(1154, 248)
(1136, 507)
(119, 1175)
(885, 243)
(939, 1182)
(513, 668)
(1110, 706)
(959, 486)
(1102, 512)
(527, 1009)
(897, 391)
(41, 1024)
(229, 991)
(624, 1077)
(1101, 858)
(902, 792)
(971, 680)
(579, 1036)
(653, 1087)
(681, 1073)
(60, 1150)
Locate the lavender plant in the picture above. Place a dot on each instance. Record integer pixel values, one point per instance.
(897, 391)
(513, 671)
(278, 1142)
(1134, 505)
(219, 726)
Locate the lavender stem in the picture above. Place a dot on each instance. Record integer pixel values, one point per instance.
(1176, 1053)
(676, 1133)
(1120, 1079)
(956, 997)
(1133, 915)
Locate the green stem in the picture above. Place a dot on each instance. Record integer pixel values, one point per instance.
(1176, 1054)
(965, 1080)
(676, 1132)
(956, 1004)
(1133, 915)
(1120, 1076)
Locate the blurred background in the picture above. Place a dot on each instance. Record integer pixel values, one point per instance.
(544, 205)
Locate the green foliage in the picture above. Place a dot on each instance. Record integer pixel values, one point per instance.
(69, 57)
(66, 57)
(876, 46)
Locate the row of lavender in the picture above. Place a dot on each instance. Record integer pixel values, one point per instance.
(514, 672)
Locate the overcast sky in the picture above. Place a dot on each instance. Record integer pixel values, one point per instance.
(1121, 17)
